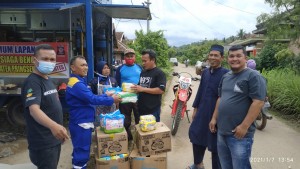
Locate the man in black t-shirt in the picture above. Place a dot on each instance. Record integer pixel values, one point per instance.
(151, 86)
(43, 111)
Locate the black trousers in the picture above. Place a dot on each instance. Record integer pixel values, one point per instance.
(199, 152)
(45, 158)
(126, 109)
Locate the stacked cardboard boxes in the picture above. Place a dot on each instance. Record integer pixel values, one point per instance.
(108, 147)
(138, 161)
(152, 148)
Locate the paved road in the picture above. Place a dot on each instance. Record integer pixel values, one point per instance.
(276, 147)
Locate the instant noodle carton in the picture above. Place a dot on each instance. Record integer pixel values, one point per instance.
(154, 142)
(138, 161)
(111, 144)
(112, 162)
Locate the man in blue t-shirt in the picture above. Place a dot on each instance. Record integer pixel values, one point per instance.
(242, 92)
(129, 73)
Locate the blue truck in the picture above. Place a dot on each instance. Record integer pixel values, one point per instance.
(73, 27)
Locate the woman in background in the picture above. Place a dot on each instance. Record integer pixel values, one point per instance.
(101, 81)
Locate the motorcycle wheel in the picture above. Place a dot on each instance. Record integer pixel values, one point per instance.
(261, 121)
(177, 118)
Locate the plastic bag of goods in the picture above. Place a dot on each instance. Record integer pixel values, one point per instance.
(126, 87)
(112, 122)
(128, 97)
(147, 123)
(115, 157)
(114, 90)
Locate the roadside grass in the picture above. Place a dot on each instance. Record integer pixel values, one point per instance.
(284, 93)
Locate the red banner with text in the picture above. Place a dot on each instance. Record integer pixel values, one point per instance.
(16, 58)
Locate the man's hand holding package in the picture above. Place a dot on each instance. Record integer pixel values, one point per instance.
(117, 98)
(137, 88)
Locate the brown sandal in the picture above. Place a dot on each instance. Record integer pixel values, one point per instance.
(194, 167)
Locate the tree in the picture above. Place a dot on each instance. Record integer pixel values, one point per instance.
(266, 56)
(155, 41)
(195, 51)
(172, 52)
(241, 34)
(284, 22)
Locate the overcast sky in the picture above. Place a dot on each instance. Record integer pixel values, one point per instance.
(187, 21)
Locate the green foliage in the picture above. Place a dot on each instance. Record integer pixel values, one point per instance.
(284, 90)
(284, 58)
(155, 41)
(284, 21)
(241, 34)
(195, 51)
(172, 52)
(266, 57)
(284, 54)
(290, 61)
(296, 64)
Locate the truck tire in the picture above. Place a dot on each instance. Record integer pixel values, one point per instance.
(14, 112)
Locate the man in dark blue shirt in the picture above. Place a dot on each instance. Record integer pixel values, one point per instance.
(204, 106)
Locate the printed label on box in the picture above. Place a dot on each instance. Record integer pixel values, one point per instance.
(111, 144)
(154, 142)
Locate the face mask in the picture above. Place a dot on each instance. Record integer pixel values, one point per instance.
(129, 61)
(45, 67)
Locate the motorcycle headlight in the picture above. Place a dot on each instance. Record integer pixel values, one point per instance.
(184, 85)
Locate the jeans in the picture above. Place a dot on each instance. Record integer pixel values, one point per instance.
(45, 158)
(234, 153)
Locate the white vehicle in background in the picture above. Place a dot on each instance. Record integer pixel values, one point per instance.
(200, 66)
(174, 61)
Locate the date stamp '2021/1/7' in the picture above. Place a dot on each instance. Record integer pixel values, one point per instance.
(271, 159)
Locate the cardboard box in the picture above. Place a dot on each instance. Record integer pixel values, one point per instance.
(154, 142)
(121, 163)
(111, 144)
(145, 162)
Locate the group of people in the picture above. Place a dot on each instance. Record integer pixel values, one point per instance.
(43, 110)
(225, 108)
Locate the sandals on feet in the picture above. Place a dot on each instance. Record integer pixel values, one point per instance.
(194, 167)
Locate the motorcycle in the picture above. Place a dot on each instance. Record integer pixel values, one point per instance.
(182, 91)
(264, 115)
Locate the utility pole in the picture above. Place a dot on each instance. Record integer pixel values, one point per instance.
(148, 22)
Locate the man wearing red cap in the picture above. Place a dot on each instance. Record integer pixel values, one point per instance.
(129, 73)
